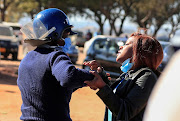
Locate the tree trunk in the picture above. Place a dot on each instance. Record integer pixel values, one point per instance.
(39, 5)
(112, 27)
(110, 31)
(101, 29)
(120, 27)
(100, 22)
(2, 15)
(156, 30)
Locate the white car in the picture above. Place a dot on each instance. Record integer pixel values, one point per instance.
(104, 50)
(16, 29)
(9, 44)
(168, 51)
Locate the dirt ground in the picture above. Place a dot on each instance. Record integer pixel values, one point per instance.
(85, 105)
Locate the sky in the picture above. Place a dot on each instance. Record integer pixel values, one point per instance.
(83, 24)
(128, 27)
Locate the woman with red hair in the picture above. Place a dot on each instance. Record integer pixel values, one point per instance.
(126, 99)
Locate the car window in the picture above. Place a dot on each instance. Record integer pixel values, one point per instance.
(163, 45)
(168, 50)
(80, 34)
(16, 27)
(113, 47)
(5, 31)
(100, 45)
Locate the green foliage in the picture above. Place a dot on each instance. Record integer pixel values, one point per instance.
(145, 13)
(154, 13)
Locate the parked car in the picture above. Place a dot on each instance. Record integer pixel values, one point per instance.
(104, 49)
(8, 42)
(16, 30)
(78, 39)
(168, 51)
(163, 38)
(73, 53)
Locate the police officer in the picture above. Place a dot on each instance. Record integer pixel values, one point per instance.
(46, 75)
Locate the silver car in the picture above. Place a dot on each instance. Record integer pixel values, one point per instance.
(104, 49)
(168, 51)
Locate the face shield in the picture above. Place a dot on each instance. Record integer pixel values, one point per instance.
(38, 38)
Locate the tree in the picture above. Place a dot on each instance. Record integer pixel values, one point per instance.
(175, 24)
(153, 13)
(19, 7)
(146, 13)
(4, 4)
(123, 10)
(113, 11)
(32, 7)
(90, 9)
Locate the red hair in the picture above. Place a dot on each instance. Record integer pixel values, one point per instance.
(147, 51)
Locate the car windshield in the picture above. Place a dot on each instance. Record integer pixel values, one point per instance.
(16, 27)
(100, 45)
(113, 47)
(168, 50)
(110, 46)
(5, 31)
(164, 45)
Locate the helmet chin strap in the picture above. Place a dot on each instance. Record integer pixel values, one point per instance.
(61, 42)
(55, 40)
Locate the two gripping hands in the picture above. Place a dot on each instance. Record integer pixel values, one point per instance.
(101, 78)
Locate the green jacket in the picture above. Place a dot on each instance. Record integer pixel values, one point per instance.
(131, 96)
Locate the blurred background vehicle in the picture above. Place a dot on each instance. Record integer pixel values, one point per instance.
(104, 49)
(88, 35)
(8, 42)
(73, 53)
(16, 30)
(168, 51)
(78, 39)
(163, 38)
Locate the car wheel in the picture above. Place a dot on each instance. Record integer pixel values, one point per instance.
(6, 56)
(14, 56)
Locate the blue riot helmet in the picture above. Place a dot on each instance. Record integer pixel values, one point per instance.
(50, 18)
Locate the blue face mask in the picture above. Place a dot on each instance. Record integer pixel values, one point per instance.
(126, 65)
(67, 45)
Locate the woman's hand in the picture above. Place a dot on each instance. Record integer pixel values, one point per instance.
(97, 82)
(92, 64)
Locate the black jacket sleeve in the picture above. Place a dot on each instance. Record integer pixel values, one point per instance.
(135, 100)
